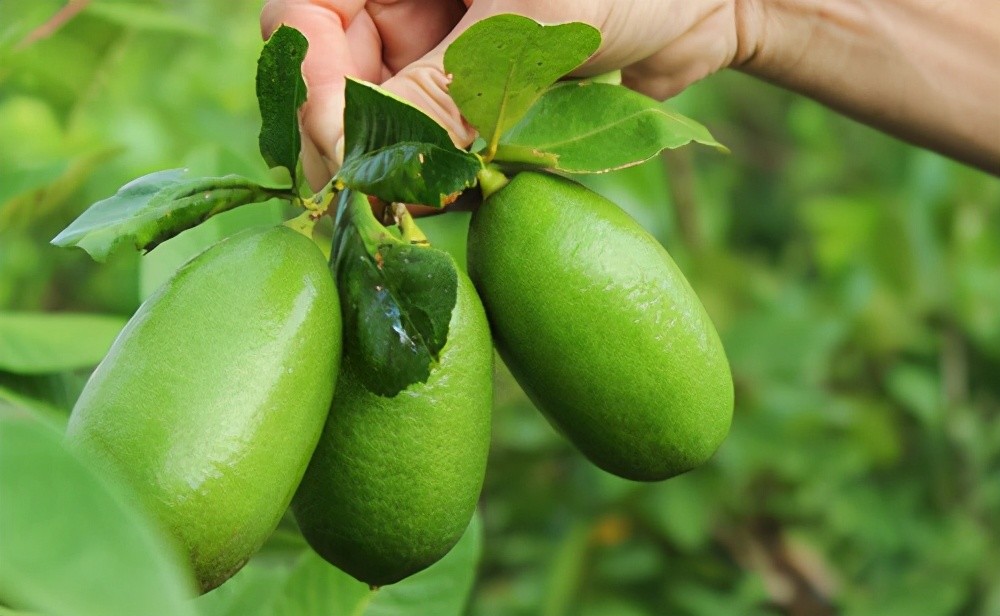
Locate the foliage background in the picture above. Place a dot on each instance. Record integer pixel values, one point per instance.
(855, 282)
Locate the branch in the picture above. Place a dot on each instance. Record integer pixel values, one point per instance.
(57, 21)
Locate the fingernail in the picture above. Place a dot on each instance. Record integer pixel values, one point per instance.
(338, 151)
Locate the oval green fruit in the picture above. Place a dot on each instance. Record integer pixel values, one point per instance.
(213, 397)
(394, 481)
(600, 328)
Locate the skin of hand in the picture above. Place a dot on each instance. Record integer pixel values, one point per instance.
(923, 70)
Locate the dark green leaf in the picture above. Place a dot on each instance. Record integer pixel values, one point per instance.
(38, 343)
(280, 92)
(156, 207)
(72, 542)
(397, 304)
(501, 65)
(398, 153)
(586, 127)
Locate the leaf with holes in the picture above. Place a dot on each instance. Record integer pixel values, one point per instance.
(396, 299)
(280, 92)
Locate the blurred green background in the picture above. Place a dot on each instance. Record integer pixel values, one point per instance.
(855, 282)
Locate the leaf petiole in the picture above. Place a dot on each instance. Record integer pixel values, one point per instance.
(408, 228)
(304, 223)
(358, 213)
(491, 179)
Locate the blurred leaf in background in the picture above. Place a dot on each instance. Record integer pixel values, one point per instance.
(855, 282)
(74, 543)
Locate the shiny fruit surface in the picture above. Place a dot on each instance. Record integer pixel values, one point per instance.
(600, 328)
(210, 402)
(395, 480)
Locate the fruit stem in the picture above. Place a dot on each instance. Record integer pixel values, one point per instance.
(611, 77)
(304, 223)
(408, 228)
(319, 203)
(359, 214)
(491, 179)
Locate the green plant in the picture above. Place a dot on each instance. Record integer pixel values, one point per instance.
(852, 279)
(398, 297)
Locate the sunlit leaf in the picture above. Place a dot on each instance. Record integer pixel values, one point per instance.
(587, 127)
(501, 65)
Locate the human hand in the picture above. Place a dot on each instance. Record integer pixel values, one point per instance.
(661, 46)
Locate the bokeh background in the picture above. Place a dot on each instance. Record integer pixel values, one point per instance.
(855, 282)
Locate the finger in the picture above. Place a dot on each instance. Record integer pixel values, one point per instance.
(691, 56)
(366, 46)
(315, 168)
(402, 43)
(424, 84)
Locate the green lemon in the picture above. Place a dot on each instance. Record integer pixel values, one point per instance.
(213, 397)
(394, 481)
(600, 328)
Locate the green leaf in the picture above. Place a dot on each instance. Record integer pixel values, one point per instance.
(397, 301)
(33, 343)
(501, 65)
(156, 207)
(147, 18)
(316, 588)
(42, 192)
(73, 543)
(398, 153)
(587, 127)
(281, 90)
(251, 592)
(45, 397)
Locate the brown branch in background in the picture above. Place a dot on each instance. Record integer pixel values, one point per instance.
(954, 368)
(50, 27)
(680, 175)
(796, 576)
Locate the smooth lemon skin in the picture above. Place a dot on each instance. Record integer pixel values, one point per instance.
(213, 397)
(394, 481)
(600, 328)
